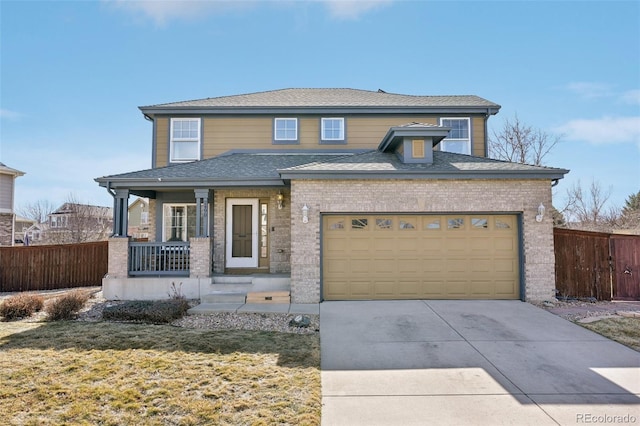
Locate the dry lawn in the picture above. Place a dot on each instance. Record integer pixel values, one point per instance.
(114, 374)
(622, 330)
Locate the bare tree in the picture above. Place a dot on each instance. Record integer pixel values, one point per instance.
(79, 223)
(520, 143)
(38, 211)
(586, 209)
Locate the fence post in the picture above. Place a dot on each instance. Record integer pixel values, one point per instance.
(200, 257)
(118, 257)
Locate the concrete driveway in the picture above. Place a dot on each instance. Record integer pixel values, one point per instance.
(470, 362)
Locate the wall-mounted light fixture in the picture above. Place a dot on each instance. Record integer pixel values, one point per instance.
(305, 214)
(280, 200)
(540, 214)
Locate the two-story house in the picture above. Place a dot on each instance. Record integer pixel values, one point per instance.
(338, 193)
(76, 223)
(7, 214)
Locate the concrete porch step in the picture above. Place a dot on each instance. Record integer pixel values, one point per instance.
(251, 283)
(224, 297)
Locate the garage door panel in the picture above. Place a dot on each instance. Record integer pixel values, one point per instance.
(456, 288)
(456, 265)
(360, 244)
(433, 288)
(360, 289)
(508, 265)
(384, 288)
(482, 265)
(360, 265)
(481, 288)
(421, 256)
(385, 266)
(456, 243)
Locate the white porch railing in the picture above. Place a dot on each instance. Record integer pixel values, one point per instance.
(159, 259)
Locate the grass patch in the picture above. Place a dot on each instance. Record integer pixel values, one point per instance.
(622, 330)
(122, 373)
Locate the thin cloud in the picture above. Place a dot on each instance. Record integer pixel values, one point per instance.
(353, 9)
(605, 130)
(590, 90)
(631, 97)
(164, 11)
(9, 115)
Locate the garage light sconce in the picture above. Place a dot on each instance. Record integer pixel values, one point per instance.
(280, 200)
(540, 214)
(305, 214)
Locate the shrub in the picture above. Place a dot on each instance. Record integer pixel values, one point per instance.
(21, 306)
(155, 312)
(66, 306)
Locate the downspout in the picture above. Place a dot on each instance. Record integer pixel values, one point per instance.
(486, 135)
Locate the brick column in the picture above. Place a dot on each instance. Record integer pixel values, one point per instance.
(200, 257)
(118, 257)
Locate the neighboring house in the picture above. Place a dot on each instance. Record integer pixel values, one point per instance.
(77, 223)
(339, 193)
(35, 233)
(138, 227)
(21, 229)
(7, 214)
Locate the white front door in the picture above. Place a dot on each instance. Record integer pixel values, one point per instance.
(242, 233)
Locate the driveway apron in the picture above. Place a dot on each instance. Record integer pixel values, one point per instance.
(442, 362)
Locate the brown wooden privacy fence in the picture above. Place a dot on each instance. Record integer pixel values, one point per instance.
(51, 267)
(598, 265)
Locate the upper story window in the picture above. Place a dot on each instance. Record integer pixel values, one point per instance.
(185, 139)
(332, 129)
(285, 130)
(459, 139)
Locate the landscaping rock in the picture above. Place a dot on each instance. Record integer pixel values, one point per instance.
(300, 321)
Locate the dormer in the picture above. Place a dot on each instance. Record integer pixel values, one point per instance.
(413, 142)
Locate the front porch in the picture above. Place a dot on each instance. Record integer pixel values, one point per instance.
(161, 270)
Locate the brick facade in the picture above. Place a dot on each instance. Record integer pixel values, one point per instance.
(6, 229)
(118, 257)
(200, 258)
(421, 196)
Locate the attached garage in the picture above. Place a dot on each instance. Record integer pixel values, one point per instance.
(420, 256)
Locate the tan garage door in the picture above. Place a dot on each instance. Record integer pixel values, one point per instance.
(420, 257)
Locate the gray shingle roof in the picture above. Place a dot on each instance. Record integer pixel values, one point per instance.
(295, 97)
(238, 166)
(443, 162)
(270, 168)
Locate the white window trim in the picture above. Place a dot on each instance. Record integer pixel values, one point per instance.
(448, 139)
(324, 137)
(275, 129)
(167, 207)
(172, 140)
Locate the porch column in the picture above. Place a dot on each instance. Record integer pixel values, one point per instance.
(202, 213)
(121, 212)
(118, 263)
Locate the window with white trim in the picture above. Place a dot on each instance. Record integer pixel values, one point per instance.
(185, 139)
(459, 139)
(179, 222)
(332, 129)
(285, 129)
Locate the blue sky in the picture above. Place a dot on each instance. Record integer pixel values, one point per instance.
(74, 72)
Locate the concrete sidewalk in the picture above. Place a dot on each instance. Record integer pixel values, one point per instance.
(470, 363)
